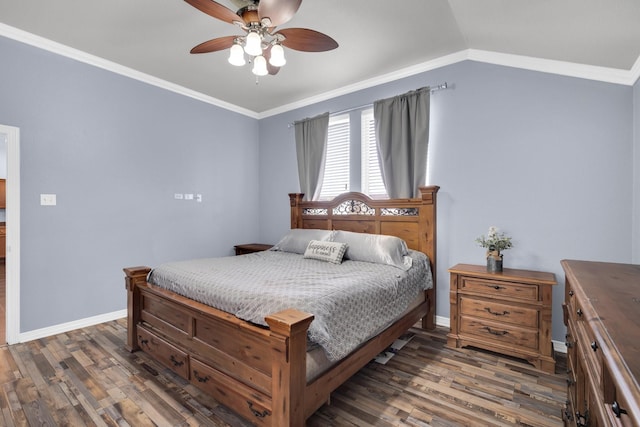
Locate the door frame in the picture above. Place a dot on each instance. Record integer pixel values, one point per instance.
(12, 261)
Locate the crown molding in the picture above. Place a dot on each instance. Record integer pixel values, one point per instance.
(569, 69)
(635, 71)
(365, 84)
(78, 55)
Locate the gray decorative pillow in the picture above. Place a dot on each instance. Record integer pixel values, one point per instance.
(376, 248)
(326, 251)
(297, 239)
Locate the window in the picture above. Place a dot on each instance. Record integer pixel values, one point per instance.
(372, 184)
(336, 169)
(338, 177)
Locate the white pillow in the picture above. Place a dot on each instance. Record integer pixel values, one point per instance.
(376, 248)
(298, 239)
(326, 251)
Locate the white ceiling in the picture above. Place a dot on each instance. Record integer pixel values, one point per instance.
(376, 38)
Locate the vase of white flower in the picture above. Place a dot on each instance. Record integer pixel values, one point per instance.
(495, 242)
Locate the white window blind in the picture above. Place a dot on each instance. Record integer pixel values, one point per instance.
(372, 184)
(336, 169)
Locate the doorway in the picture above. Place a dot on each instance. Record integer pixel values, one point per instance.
(10, 280)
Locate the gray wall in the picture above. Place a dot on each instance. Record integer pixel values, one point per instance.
(115, 151)
(546, 158)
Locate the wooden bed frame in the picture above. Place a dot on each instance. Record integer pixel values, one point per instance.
(260, 372)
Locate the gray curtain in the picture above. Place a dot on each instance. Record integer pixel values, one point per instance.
(311, 149)
(402, 135)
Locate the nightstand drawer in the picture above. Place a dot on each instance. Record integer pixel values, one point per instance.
(499, 289)
(500, 333)
(494, 310)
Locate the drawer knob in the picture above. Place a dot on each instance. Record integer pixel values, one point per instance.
(176, 363)
(496, 287)
(594, 346)
(568, 343)
(143, 341)
(498, 333)
(495, 313)
(571, 293)
(570, 382)
(257, 413)
(582, 420)
(615, 406)
(199, 378)
(579, 312)
(567, 415)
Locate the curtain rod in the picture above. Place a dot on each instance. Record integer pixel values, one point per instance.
(436, 88)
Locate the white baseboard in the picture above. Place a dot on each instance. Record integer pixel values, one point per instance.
(70, 326)
(443, 321)
(559, 346)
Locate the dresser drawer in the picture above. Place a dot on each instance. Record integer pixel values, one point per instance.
(498, 289)
(162, 351)
(502, 312)
(592, 351)
(500, 333)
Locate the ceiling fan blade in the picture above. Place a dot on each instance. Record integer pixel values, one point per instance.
(307, 40)
(214, 45)
(278, 11)
(216, 10)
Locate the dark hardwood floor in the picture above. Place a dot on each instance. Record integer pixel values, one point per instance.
(85, 377)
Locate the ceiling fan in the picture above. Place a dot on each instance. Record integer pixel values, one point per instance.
(261, 42)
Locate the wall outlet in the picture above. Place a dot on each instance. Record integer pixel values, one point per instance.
(198, 197)
(178, 196)
(188, 196)
(47, 200)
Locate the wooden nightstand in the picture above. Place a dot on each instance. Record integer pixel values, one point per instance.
(507, 312)
(250, 248)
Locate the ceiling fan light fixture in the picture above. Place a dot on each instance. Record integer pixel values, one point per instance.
(277, 56)
(236, 55)
(260, 66)
(253, 44)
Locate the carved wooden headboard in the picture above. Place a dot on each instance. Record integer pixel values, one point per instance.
(413, 220)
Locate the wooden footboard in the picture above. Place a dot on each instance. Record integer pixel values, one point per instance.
(258, 372)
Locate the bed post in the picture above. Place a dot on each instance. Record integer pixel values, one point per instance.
(428, 244)
(135, 275)
(289, 377)
(294, 201)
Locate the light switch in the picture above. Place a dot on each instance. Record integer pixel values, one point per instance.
(188, 196)
(47, 199)
(198, 197)
(177, 196)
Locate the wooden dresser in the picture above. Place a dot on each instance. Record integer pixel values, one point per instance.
(602, 314)
(507, 312)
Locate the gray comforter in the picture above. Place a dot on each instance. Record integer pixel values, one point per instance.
(351, 301)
